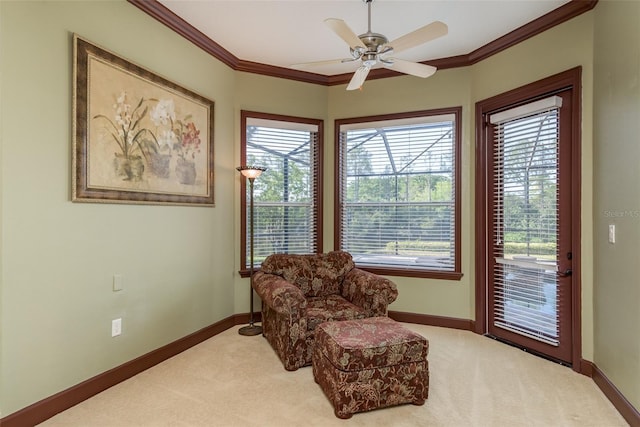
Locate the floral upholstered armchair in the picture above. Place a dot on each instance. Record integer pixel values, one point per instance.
(299, 292)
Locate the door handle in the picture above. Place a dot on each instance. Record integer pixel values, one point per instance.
(565, 273)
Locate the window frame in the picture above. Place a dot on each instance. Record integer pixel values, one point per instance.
(456, 274)
(317, 178)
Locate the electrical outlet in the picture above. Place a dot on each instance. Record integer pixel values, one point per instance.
(116, 327)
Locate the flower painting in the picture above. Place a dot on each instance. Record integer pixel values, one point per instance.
(138, 137)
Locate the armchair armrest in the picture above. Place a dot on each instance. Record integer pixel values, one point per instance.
(369, 291)
(280, 295)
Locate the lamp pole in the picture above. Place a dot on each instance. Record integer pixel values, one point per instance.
(251, 173)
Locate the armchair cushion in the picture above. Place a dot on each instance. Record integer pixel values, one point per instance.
(330, 309)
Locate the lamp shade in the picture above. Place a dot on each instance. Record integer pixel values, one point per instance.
(251, 171)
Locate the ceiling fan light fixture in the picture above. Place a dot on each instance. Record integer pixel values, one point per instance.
(357, 52)
(369, 59)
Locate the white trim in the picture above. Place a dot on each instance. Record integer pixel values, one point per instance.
(398, 122)
(280, 124)
(526, 110)
(538, 265)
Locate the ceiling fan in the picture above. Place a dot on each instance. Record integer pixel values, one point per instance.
(372, 49)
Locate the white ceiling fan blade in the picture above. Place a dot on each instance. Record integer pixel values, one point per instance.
(320, 63)
(412, 68)
(358, 78)
(344, 32)
(421, 35)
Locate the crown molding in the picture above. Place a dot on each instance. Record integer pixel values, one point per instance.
(165, 16)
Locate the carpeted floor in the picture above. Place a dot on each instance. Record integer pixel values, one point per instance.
(232, 380)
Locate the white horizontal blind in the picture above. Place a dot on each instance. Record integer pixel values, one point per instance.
(285, 195)
(398, 193)
(526, 224)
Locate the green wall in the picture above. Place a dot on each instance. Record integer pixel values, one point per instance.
(276, 96)
(59, 257)
(561, 48)
(522, 64)
(447, 88)
(617, 194)
(180, 264)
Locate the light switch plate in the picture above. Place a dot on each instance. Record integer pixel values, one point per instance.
(118, 282)
(612, 233)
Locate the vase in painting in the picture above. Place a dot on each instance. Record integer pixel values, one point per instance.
(130, 168)
(186, 171)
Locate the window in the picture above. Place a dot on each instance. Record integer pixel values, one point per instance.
(398, 193)
(287, 196)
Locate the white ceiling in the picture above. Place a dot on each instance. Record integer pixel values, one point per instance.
(286, 32)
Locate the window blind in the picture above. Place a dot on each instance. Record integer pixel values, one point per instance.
(286, 195)
(398, 193)
(525, 221)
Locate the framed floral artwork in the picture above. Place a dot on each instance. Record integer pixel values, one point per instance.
(138, 138)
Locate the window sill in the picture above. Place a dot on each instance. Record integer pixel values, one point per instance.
(442, 275)
(400, 272)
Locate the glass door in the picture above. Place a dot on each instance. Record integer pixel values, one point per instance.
(529, 284)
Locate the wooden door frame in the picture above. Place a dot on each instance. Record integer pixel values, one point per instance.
(570, 79)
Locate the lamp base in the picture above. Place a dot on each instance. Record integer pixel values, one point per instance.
(250, 330)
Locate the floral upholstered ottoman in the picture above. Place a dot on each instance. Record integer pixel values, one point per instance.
(370, 363)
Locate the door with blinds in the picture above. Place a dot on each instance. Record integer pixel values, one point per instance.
(529, 221)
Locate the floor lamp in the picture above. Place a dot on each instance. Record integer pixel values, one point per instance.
(251, 173)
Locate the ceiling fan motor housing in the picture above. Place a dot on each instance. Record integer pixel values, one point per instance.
(374, 43)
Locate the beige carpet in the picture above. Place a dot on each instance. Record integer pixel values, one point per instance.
(231, 380)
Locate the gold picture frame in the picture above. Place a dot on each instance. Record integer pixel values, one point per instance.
(137, 137)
